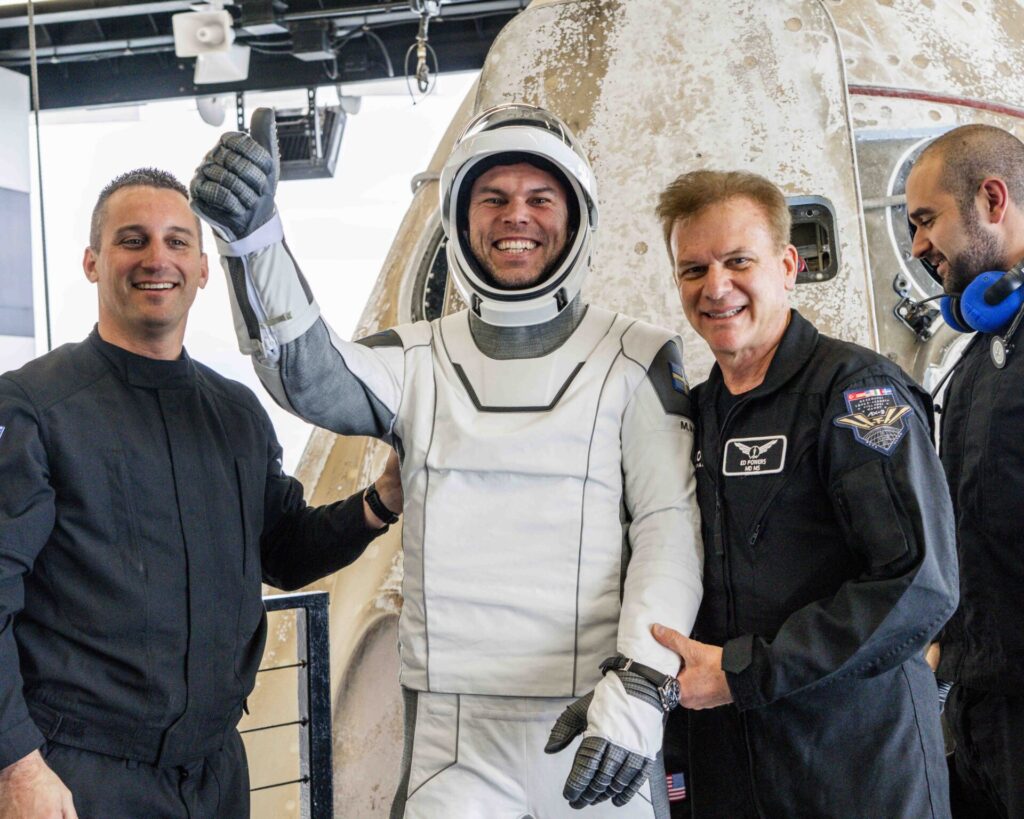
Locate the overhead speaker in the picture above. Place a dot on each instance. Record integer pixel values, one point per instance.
(202, 32)
(212, 110)
(222, 66)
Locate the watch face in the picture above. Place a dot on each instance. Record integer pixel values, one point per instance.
(670, 694)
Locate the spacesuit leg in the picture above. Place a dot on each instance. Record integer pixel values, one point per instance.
(464, 762)
(474, 756)
(409, 703)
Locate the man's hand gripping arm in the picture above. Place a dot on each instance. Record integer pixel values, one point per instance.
(622, 719)
(344, 387)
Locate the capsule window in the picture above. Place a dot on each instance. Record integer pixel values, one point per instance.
(431, 280)
(813, 233)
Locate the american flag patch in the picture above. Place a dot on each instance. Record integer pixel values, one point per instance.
(676, 787)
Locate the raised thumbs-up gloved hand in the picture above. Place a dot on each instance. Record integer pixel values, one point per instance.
(233, 187)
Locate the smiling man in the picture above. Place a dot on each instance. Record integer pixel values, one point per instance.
(518, 216)
(548, 519)
(143, 502)
(828, 527)
(146, 283)
(964, 196)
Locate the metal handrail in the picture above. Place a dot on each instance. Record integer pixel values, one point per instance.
(314, 705)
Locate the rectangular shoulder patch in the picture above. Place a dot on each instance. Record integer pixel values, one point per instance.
(876, 418)
(678, 378)
(763, 455)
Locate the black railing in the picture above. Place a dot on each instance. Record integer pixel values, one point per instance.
(312, 648)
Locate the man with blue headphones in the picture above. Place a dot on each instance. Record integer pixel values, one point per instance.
(964, 200)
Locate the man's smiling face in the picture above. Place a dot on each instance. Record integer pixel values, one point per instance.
(518, 223)
(733, 278)
(148, 266)
(951, 238)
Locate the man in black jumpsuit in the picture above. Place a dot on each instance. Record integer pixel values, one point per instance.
(829, 557)
(964, 197)
(143, 503)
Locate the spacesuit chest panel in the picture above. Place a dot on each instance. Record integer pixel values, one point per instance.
(518, 554)
(520, 384)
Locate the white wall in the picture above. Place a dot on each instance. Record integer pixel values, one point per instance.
(339, 229)
(14, 111)
(15, 171)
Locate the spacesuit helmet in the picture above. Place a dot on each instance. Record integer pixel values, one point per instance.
(507, 135)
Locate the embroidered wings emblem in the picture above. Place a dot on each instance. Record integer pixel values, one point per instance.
(876, 417)
(858, 420)
(755, 450)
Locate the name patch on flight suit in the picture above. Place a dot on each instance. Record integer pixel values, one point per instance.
(876, 418)
(764, 455)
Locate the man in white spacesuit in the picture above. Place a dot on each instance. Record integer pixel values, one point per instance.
(550, 517)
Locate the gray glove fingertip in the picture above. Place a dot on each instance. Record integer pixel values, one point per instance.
(564, 731)
(212, 195)
(219, 177)
(584, 766)
(623, 778)
(621, 799)
(631, 789)
(570, 724)
(263, 128)
(243, 168)
(618, 769)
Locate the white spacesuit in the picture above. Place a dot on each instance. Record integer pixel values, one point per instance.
(550, 516)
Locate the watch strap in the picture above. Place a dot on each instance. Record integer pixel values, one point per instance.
(666, 685)
(377, 505)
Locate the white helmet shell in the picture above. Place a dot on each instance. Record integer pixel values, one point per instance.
(518, 129)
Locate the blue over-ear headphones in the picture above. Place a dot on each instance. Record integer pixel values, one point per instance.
(988, 304)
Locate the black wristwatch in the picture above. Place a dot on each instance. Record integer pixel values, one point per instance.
(377, 505)
(667, 687)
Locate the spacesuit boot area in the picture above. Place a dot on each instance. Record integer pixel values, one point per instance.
(550, 515)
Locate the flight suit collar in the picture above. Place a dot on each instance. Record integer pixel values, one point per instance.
(139, 371)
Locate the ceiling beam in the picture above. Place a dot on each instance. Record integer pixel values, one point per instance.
(461, 45)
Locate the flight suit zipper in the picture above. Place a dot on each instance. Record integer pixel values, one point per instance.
(720, 519)
(766, 505)
(731, 628)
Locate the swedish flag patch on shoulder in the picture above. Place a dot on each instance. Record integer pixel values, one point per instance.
(678, 378)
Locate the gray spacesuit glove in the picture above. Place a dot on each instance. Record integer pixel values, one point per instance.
(621, 722)
(233, 187)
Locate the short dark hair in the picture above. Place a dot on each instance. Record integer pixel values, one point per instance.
(139, 178)
(972, 153)
(692, 192)
(518, 158)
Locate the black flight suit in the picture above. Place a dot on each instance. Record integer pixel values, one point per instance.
(982, 451)
(143, 503)
(829, 565)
